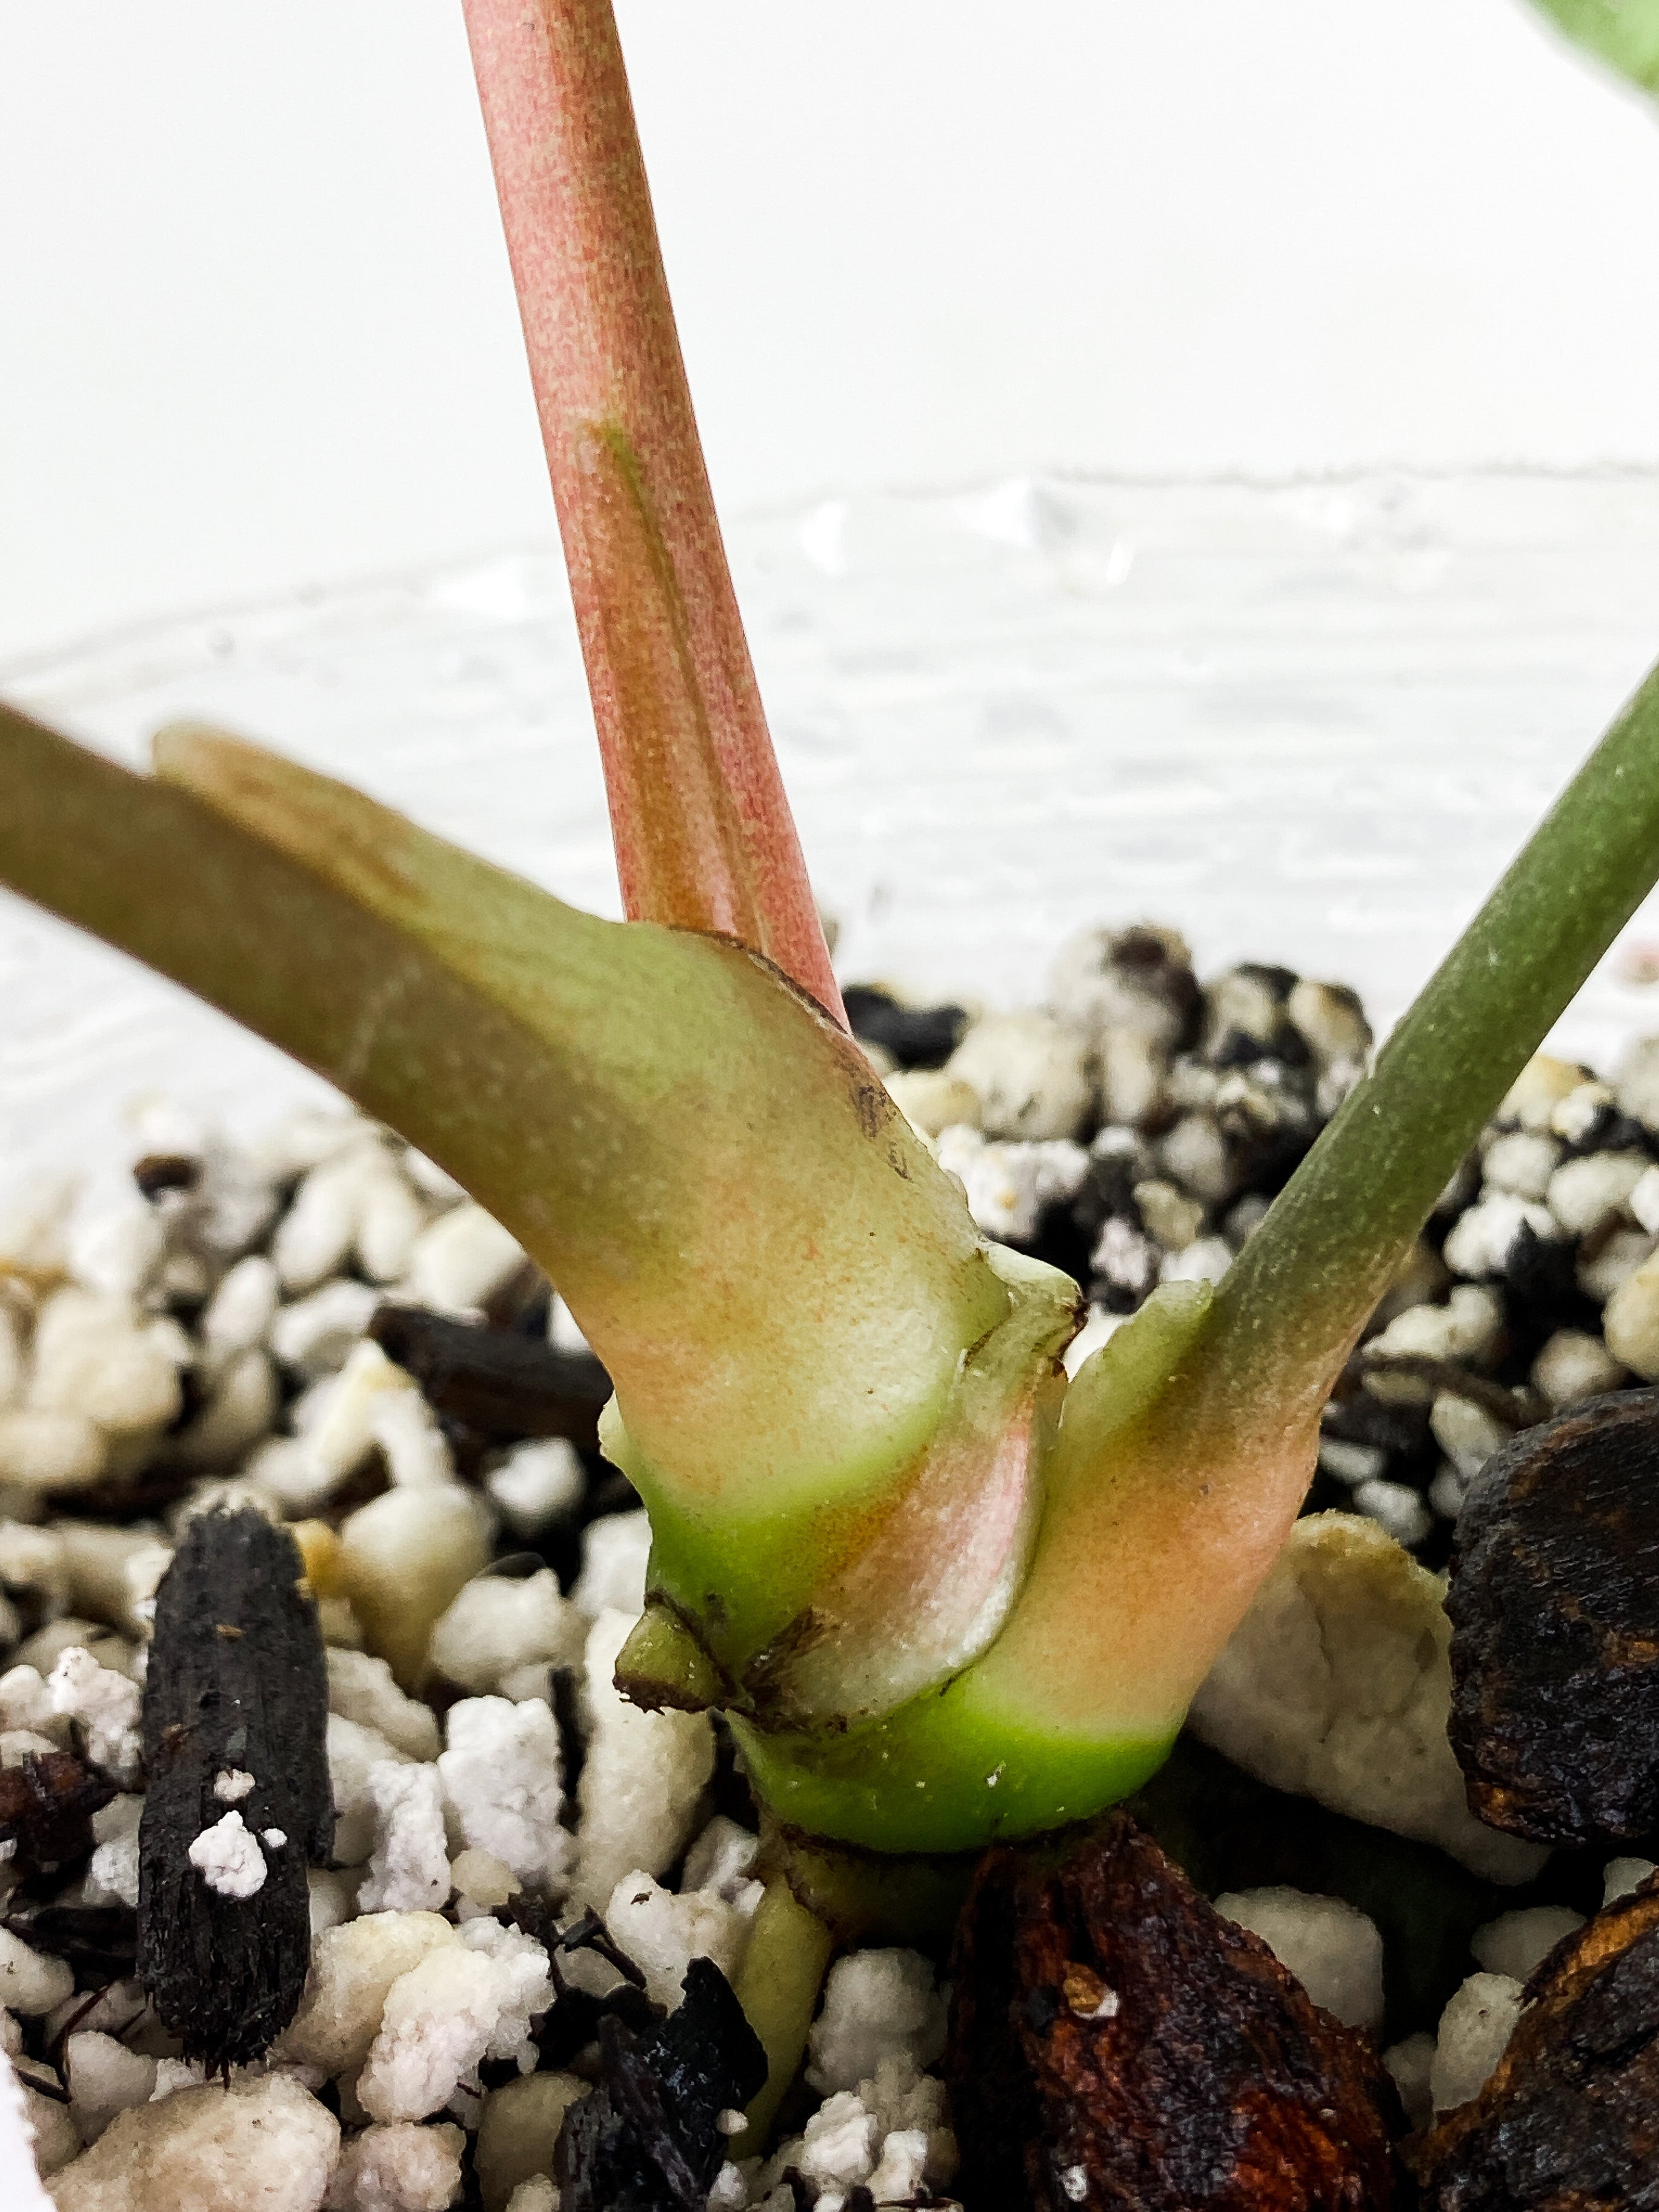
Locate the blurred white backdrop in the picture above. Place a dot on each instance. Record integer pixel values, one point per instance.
(257, 328)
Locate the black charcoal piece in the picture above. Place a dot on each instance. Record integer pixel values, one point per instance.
(647, 2140)
(1554, 1603)
(500, 1384)
(236, 1686)
(917, 1036)
(46, 1805)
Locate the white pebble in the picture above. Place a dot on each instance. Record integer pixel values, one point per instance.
(1607, 1264)
(642, 1778)
(263, 2141)
(354, 1751)
(404, 1556)
(457, 1264)
(1521, 1164)
(1474, 2032)
(30, 1982)
(537, 1486)
(502, 1776)
(1030, 1073)
(229, 1858)
(353, 1969)
(1620, 1876)
(398, 2166)
(1630, 1321)
(111, 1876)
(1206, 1260)
(316, 1233)
(104, 2078)
(1099, 1328)
(932, 1102)
(1644, 1200)
(1573, 1365)
(1333, 1950)
(662, 1933)
(315, 1335)
(408, 1862)
(106, 1707)
(462, 2004)
(721, 1859)
(1515, 1942)
(332, 1898)
(1008, 1185)
(240, 1410)
(1396, 1507)
(360, 1688)
(495, 1624)
(877, 2005)
(616, 1552)
(517, 2131)
(1466, 1432)
(239, 1315)
(1587, 1193)
(1481, 1241)
(1350, 1463)
(117, 1249)
(1542, 1083)
(1411, 2065)
(50, 1451)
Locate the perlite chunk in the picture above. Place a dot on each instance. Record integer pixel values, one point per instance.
(1337, 1686)
(642, 1778)
(1333, 1950)
(876, 2005)
(495, 1625)
(397, 2166)
(353, 1968)
(262, 2142)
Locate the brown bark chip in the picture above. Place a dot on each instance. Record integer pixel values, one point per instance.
(1570, 2121)
(1115, 2043)
(1554, 1602)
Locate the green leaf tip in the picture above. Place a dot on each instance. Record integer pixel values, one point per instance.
(1624, 33)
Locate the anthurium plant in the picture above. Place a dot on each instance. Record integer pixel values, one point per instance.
(942, 1594)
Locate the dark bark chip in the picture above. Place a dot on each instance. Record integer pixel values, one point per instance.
(1114, 2042)
(46, 1805)
(1570, 2121)
(1554, 1602)
(503, 1386)
(236, 1685)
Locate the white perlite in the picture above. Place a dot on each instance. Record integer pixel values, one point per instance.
(495, 1625)
(1515, 1942)
(1337, 1686)
(262, 2145)
(30, 1982)
(106, 1705)
(353, 1969)
(1474, 2032)
(1008, 1185)
(409, 1864)
(1029, 1073)
(662, 1933)
(876, 2005)
(502, 1778)
(361, 1689)
(354, 1752)
(889, 2124)
(229, 1857)
(1620, 1876)
(105, 2078)
(231, 1785)
(615, 1549)
(641, 1779)
(397, 2166)
(19, 2145)
(463, 2002)
(538, 1485)
(1333, 1950)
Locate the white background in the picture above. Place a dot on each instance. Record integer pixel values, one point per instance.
(256, 327)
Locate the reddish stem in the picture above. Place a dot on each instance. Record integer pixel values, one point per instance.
(702, 830)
